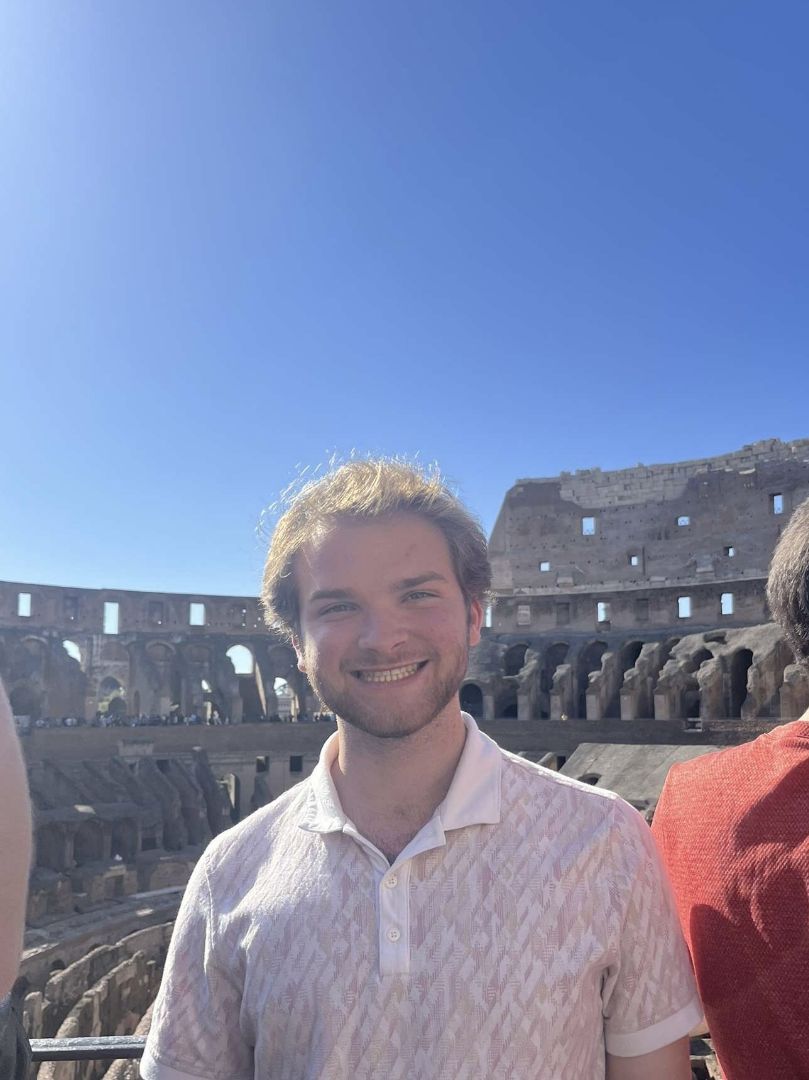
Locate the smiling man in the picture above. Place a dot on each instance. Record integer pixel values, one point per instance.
(424, 906)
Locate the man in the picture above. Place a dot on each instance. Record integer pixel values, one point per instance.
(734, 830)
(425, 905)
(15, 857)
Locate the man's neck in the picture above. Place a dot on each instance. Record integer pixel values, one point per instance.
(390, 788)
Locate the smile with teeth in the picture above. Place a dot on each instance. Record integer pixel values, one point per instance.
(389, 674)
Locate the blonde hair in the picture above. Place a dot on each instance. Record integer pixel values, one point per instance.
(366, 491)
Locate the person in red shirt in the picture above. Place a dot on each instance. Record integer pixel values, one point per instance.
(733, 829)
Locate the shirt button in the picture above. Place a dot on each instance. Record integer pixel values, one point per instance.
(391, 881)
(394, 934)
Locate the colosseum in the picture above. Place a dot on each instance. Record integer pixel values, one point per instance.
(628, 628)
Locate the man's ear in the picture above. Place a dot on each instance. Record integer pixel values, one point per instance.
(296, 645)
(475, 622)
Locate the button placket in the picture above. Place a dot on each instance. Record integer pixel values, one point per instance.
(394, 921)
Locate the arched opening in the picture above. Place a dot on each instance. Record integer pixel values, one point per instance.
(552, 658)
(590, 778)
(284, 700)
(740, 664)
(472, 700)
(627, 658)
(88, 843)
(589, 661)
(692, 699)
(242, 659)
(514, 660)
(244, 666)
(111, 697)
(72, 650)
(509, 710)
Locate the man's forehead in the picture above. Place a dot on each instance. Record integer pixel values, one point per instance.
(387, 546)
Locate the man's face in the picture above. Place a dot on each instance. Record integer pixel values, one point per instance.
(385, 630)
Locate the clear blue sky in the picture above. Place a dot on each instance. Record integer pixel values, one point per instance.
(513, 238)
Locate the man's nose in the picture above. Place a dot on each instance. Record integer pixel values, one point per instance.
(382, 631)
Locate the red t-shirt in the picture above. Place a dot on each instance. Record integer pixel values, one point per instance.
(733, 829)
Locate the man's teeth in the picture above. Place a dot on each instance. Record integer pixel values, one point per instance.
(391, 675)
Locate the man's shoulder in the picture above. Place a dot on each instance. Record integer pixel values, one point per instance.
(251, 840)
(554, 795)
(523, 772)
(747, 760)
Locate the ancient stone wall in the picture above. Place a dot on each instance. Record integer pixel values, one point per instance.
(76, 652)
(650, 547)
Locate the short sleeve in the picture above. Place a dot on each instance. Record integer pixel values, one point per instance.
(195, 1033)
(649, 995)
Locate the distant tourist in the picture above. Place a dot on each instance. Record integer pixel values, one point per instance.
(425, 905)
(733, 827)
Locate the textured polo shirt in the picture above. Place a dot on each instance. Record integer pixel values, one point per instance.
(525, 929)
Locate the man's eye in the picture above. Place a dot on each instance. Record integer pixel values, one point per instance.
(336, 609)
(419, 594)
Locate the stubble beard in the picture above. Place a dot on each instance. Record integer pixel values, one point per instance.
(393, 722)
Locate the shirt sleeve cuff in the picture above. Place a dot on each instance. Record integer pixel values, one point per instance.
(635, 1043)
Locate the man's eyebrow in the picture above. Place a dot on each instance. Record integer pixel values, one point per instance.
(414, 582)
(398, 586)
(330, 594)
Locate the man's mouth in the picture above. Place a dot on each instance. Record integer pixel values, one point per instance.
(387, 675)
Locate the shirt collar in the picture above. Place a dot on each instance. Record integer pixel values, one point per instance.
(473, 797)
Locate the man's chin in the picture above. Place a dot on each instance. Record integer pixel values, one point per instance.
(391, 728)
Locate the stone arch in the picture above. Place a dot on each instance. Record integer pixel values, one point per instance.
(28, 659)
(627, 658)
(738, 668)
(88, 843)
(242, 658)
(553, 656)
(73, 651)
(472, 700)
(111, 697)
(243, 661)
(692, 698)
(165, 680)
(589, 661)
(280, 662)
(514, 659)
(124, 839)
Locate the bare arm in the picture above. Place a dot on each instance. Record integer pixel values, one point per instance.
(671, 1062)
(15, 846)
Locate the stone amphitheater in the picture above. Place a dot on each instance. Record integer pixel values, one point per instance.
(628, 617)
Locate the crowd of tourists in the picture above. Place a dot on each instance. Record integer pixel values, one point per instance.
(172, 719)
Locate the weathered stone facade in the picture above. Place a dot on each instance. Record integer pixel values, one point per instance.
(143, 656)
(641, 594)
(599, 551)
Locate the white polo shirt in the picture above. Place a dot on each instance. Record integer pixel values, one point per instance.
(525, 929)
